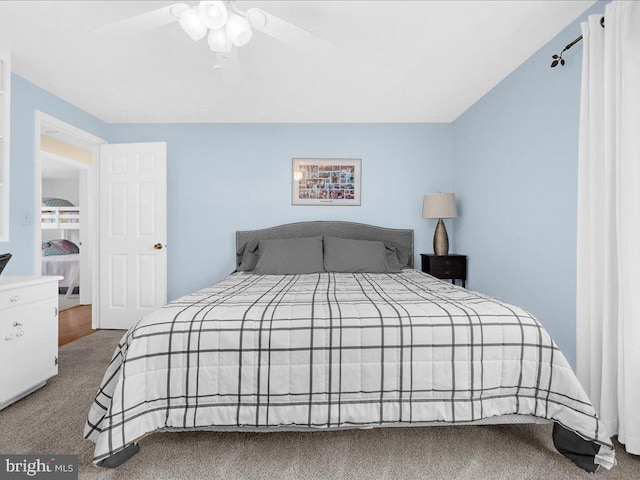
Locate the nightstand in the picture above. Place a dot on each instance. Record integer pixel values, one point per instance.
(446, 267)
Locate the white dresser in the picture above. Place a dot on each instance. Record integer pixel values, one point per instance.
(28, 335)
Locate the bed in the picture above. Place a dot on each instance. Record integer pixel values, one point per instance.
(59, 214)
(334, 350)
(61, 257)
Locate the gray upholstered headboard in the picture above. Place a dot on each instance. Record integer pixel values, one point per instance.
(402, 239)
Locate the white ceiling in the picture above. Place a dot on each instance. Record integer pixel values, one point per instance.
(395, 61)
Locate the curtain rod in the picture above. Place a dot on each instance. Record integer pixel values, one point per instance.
(557, 59)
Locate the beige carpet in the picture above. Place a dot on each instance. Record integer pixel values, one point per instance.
(51, 421)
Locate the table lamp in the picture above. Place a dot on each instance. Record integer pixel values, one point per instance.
(440, 205)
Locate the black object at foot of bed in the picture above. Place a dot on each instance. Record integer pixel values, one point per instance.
(580, 451)
(121, 457)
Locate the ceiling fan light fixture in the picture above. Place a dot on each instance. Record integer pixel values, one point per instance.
(238, 30)
(178, 9)
(214, 13)
(192, 24)
(218, 41)
(256, 17)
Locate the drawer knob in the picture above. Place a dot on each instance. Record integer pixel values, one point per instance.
(9, 337)
(15, 298)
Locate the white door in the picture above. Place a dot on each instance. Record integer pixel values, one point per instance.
(133, 232)
(86, 240)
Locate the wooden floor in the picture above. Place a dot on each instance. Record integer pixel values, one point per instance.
(74, 323)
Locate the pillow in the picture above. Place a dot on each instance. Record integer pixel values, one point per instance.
(290, 256)
(59, 247)
(249, 254)
(359, 256)
(393, 258)
(400, 255)
(56, 202)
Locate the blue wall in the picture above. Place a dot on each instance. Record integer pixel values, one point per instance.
(228, 177)
(26, 98)
(516, 176)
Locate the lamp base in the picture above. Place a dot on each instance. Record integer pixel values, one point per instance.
(440, 239)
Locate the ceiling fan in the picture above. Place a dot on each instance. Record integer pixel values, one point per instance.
(226, 27)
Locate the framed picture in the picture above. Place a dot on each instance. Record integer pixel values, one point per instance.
(326, 181)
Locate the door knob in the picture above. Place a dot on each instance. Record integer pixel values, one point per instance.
(158, 246)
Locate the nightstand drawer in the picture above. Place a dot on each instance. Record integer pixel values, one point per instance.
(442, 262)
(450, 272)
(446, 267)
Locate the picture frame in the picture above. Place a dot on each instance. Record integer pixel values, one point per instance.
(326, 181)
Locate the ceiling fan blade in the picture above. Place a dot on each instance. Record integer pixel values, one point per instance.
(285, 32)
(228, 64)
(145, 21)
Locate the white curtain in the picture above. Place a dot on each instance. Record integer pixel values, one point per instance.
(608, 282)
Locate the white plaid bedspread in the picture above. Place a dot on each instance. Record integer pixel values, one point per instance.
(333, 351)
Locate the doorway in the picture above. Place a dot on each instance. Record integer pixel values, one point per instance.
(62, 221)
(65, 220)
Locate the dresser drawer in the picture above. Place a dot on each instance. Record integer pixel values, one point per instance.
(20, 296)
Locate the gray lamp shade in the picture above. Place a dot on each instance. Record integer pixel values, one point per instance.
(439, 205)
